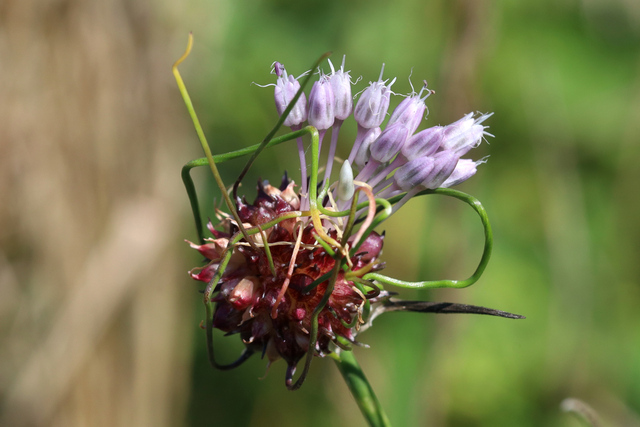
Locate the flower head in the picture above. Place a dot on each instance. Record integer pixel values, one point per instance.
(290, 272)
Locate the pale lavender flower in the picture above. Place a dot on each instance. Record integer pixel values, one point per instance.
(411, 110)
(322, 104)
(364, 152)
(464, 170)
(373, 104)
(423, 143)
(390, 142)
(414, 173)
(465, 134)
(341, 85)
(444, 162)
(285, 89)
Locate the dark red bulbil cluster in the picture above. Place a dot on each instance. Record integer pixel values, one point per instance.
(248, 291)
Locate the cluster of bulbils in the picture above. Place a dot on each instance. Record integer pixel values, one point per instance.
(271, 310)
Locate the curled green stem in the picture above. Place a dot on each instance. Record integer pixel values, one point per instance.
(486, 254)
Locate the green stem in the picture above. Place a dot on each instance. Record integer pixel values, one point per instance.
(486, 253)
(313, 332)
(361, 389)
(203, 141)
(193, 199)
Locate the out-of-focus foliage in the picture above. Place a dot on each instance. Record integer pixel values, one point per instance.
(560, 187)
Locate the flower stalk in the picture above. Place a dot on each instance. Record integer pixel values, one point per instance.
(361, 390)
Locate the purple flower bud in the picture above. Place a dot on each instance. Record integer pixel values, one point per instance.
(444, 164)
(390, 142)
(364, 152)
(321, 104)
(286, 88)
(423, 143)
(464, 134)
(464, 170)
(414, 173)
(373, 104)
(411, 110)
(278, 69)
(341, 85)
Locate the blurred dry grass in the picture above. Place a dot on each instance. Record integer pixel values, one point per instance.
(94, 327)
(96, 313)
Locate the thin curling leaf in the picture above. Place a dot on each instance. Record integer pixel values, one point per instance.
(346, 187)
(458, 284)
(286, 88)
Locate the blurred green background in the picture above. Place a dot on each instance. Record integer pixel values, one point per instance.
(98, 320)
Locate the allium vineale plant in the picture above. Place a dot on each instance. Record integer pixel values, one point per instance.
(296, 272)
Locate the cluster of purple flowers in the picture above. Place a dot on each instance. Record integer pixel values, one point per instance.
(303, 286)
(392, 161)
